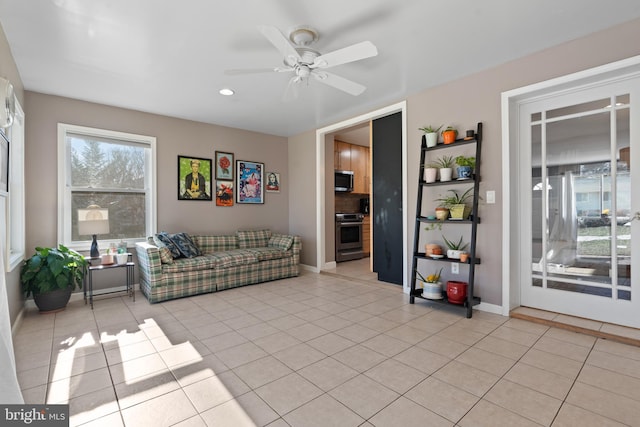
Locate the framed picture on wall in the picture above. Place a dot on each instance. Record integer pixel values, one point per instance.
(224, 166)
(224, 193)
(249, 182)
(194, 178)
(4, 163)
(273, 182)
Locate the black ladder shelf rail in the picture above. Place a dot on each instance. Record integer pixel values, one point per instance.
(474, 221)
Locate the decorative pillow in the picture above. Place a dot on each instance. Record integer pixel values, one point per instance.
(163, 239)
(281, 241)
(165, 255)
(185, 245)
(253, 238)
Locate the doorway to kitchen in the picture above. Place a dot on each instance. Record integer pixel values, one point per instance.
(325, 187)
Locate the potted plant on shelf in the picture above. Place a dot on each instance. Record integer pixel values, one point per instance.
(449, 135)
(431, 285)
(431, 135)
(430, 172)
(51, 274)
(455, 248)
(445, 164)
(457, 203)
(465, 166)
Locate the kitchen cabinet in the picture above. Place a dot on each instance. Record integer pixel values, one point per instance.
(354, 158)
(342, 156)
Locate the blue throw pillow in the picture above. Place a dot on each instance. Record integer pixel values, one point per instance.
(185, 245)
(164, 239)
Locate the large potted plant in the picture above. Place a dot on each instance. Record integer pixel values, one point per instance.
(431, 135)
(50, 275)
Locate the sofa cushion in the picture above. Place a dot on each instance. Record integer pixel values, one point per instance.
(233, 258)
(266, 254)
(211, 244)
(281, 241)
(190, 264)
(253, 238)
(163, 239)
(186, 246)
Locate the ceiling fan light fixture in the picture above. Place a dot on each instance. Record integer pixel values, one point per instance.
(303, 35)
(226, 91)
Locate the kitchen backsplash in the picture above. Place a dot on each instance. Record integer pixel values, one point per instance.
(348, 203)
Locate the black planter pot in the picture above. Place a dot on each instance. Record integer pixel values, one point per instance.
(53, 301)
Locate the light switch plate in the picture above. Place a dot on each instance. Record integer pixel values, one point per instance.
(491, 197)
(455, 268)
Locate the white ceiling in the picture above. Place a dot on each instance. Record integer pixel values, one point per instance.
(169, 57)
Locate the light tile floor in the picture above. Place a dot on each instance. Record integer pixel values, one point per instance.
(319, 350)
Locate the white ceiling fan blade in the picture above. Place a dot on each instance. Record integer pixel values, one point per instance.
(338, 82)
(237, 71)
(351, 53)
(280, 42)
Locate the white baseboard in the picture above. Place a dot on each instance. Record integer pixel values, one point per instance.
(489, 308)
(331, 265)
(310, 268)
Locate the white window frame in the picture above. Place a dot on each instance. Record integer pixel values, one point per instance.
(13, 207)
(64, 178)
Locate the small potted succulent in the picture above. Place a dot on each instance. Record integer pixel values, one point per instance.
(445, 164)
(455, 248)
(449, 135)
(431, 135)
(465, 166)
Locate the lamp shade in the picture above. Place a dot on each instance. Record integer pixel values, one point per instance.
(93, 221)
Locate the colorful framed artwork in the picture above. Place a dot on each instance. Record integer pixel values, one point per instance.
(224, 193)
(273, 182)
(194, 178)
(224, 166)
(249, 182)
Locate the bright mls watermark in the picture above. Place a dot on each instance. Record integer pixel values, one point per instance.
(34, 415)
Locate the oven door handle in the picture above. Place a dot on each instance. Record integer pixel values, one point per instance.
(342, 224)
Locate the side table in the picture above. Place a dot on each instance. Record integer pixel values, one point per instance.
(129, 266)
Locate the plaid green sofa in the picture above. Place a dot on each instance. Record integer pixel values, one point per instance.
(226, 261)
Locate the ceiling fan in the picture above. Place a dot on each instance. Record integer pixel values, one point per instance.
(306, 62)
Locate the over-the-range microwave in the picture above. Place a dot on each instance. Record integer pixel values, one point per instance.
(343, 181)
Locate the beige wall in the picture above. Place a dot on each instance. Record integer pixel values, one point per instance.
(476, 98)
(173, 137)
(302, 191)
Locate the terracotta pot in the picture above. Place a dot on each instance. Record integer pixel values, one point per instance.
(449, 136)
(432, 249)
(464, 257)
(442, 214)
(456, 292)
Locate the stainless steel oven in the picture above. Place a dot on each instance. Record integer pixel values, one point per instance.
(349, 236)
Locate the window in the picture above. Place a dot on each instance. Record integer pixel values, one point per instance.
(112, 170)
(12, 205)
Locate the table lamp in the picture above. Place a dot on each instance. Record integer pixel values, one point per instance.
(93, 220)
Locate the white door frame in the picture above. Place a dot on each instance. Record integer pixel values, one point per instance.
(511, 101)
(321, 188)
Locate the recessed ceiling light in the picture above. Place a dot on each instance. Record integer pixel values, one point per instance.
(226, 92)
